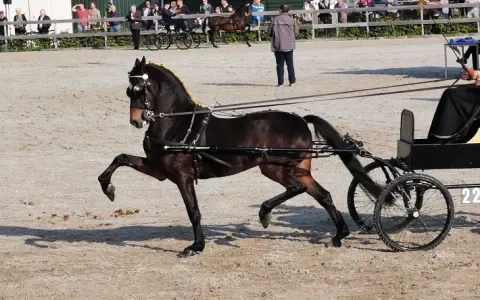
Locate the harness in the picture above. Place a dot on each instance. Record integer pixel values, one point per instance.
(140, 91)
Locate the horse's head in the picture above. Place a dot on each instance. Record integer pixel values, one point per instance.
(154, 89)
(140, 96)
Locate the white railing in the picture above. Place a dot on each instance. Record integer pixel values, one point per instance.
(257, 27)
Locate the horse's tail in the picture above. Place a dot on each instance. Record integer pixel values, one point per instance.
(204, 24)
(327, 131)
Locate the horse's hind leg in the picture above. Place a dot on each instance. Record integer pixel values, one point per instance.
(303, 178)
(325, 199)
(286, 177)
(138, 163)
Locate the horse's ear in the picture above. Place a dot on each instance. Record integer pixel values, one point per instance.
(143, 62)
(136, 62)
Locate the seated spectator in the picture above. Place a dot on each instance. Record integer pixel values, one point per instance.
(307, 5)
(224, 6)
(43, 28)
(167, 14)
(218, 10)
(342, 16)
(113, 13)
(20, 26)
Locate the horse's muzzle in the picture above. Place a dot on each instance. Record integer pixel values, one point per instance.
(138, 123)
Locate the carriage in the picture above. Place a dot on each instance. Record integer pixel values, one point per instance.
(399, 206)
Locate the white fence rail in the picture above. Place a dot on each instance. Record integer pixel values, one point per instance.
(256, 27)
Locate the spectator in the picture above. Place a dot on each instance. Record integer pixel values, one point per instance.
(3, 18)
(182, 10)
(113, 13)
(43, 28)
(135, 19)
(167, 14)
(205, 8)
(173, 7)
(230, 9)
(20, 26)
(147, 12)
(94, 13)
(82, 13)
(342, 16)
(307, 5)
(224, 6)
(283, 30)
(155, 13)
(257, 7)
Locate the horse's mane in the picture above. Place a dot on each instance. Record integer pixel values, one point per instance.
(169, 72)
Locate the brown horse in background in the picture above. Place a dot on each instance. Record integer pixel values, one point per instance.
(236, 22)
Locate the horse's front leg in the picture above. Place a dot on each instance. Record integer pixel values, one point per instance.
(138, 163)
(187, 189)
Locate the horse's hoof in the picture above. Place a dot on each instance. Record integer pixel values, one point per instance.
(186, 253)
(265, 219)
(337, 243)
(110, 192)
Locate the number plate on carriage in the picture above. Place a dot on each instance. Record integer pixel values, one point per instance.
(471, 195)
(172, 27)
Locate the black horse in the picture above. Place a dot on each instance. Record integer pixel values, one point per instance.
(236, 22)
(155, 89)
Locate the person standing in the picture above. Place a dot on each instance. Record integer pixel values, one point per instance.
(82, 13)
(43, 28)
(20, 19)
(94, 13)
(283, 29)
(135, 19)
(3, 29)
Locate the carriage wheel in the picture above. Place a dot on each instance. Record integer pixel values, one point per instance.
(163, 40)
(361, 204)
(183, 41)
(197, 39)
(151, 42)
(418, 220)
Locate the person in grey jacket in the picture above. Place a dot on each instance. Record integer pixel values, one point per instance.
(283, 29)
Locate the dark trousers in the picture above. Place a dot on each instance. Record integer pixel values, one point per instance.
(282, 58)
(135, 38)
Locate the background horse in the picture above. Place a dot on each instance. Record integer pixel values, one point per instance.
(236, 22)
(156, 89)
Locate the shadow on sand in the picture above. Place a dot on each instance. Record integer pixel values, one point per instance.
(310, 224)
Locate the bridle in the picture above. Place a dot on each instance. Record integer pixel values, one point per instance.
(139, 91)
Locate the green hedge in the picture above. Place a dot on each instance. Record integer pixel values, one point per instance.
(347, 33)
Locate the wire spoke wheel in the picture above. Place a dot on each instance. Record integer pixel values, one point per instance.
(361, 204)
(414, 212)
(198, 38)
(163, 41)
(151, 42)
(183, 41)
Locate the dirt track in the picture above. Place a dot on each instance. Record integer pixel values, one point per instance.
(65, 117)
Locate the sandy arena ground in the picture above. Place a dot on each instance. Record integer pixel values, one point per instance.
(65, 117)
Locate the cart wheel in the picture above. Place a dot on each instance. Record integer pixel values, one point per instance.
(420, 215)
(197, 39)
(163, 40)
(151, 42)
(361, 204)
(183, 41)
